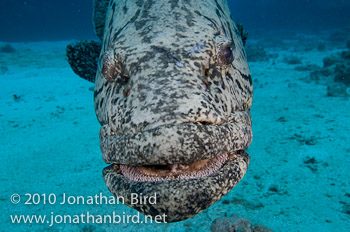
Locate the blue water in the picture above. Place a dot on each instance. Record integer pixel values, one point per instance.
(37, 20)
(68, 19)
(298, 178)
(294, 15)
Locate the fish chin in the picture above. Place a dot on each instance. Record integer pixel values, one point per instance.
(180, 191)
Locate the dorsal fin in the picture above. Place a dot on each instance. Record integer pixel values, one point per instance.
(99, 16)
(242, 33)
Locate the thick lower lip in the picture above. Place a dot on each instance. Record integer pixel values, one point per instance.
(174, 144)
(181, 198)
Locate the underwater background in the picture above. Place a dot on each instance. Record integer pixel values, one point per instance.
(299, 174)
(38, 20)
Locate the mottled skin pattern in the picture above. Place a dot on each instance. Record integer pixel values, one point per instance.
(167, 91)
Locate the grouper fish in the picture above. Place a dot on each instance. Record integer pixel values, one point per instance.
(173, 93)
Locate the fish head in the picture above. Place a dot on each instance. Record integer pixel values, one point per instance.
(173, 94)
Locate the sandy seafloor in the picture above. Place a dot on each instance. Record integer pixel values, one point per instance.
(49, 144)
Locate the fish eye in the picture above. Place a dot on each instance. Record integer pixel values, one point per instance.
(225, 51)
(228, 54)
(111, 67)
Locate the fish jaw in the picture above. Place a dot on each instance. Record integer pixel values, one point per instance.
(180, 199)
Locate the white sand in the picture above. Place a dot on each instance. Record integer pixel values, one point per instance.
(49, 144)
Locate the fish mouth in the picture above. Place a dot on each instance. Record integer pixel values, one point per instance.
(188, 166)
(184, 171)
(177, 199)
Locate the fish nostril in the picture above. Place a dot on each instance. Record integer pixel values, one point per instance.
(206, 72)
(205, 78)
(204, 123)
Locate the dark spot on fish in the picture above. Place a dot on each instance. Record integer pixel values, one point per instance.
(239, 85)
(198, 13)
(125, 9)
(215, 73)
(146, 39)
(228, 76)
(247, 78)
(139, 3)
(96, 93)
(188, 2)
(147, 6)
(108, 90)
(189, 16)
(101, 102)
(140, 24)
(135, 16)
(206, 72)
(115, 100)
(113, 6)
(218, 13)
(180, 28)
(180, 35)
(174, 3)
(223, 85)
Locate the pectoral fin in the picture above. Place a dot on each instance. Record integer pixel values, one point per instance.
(83, 58)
